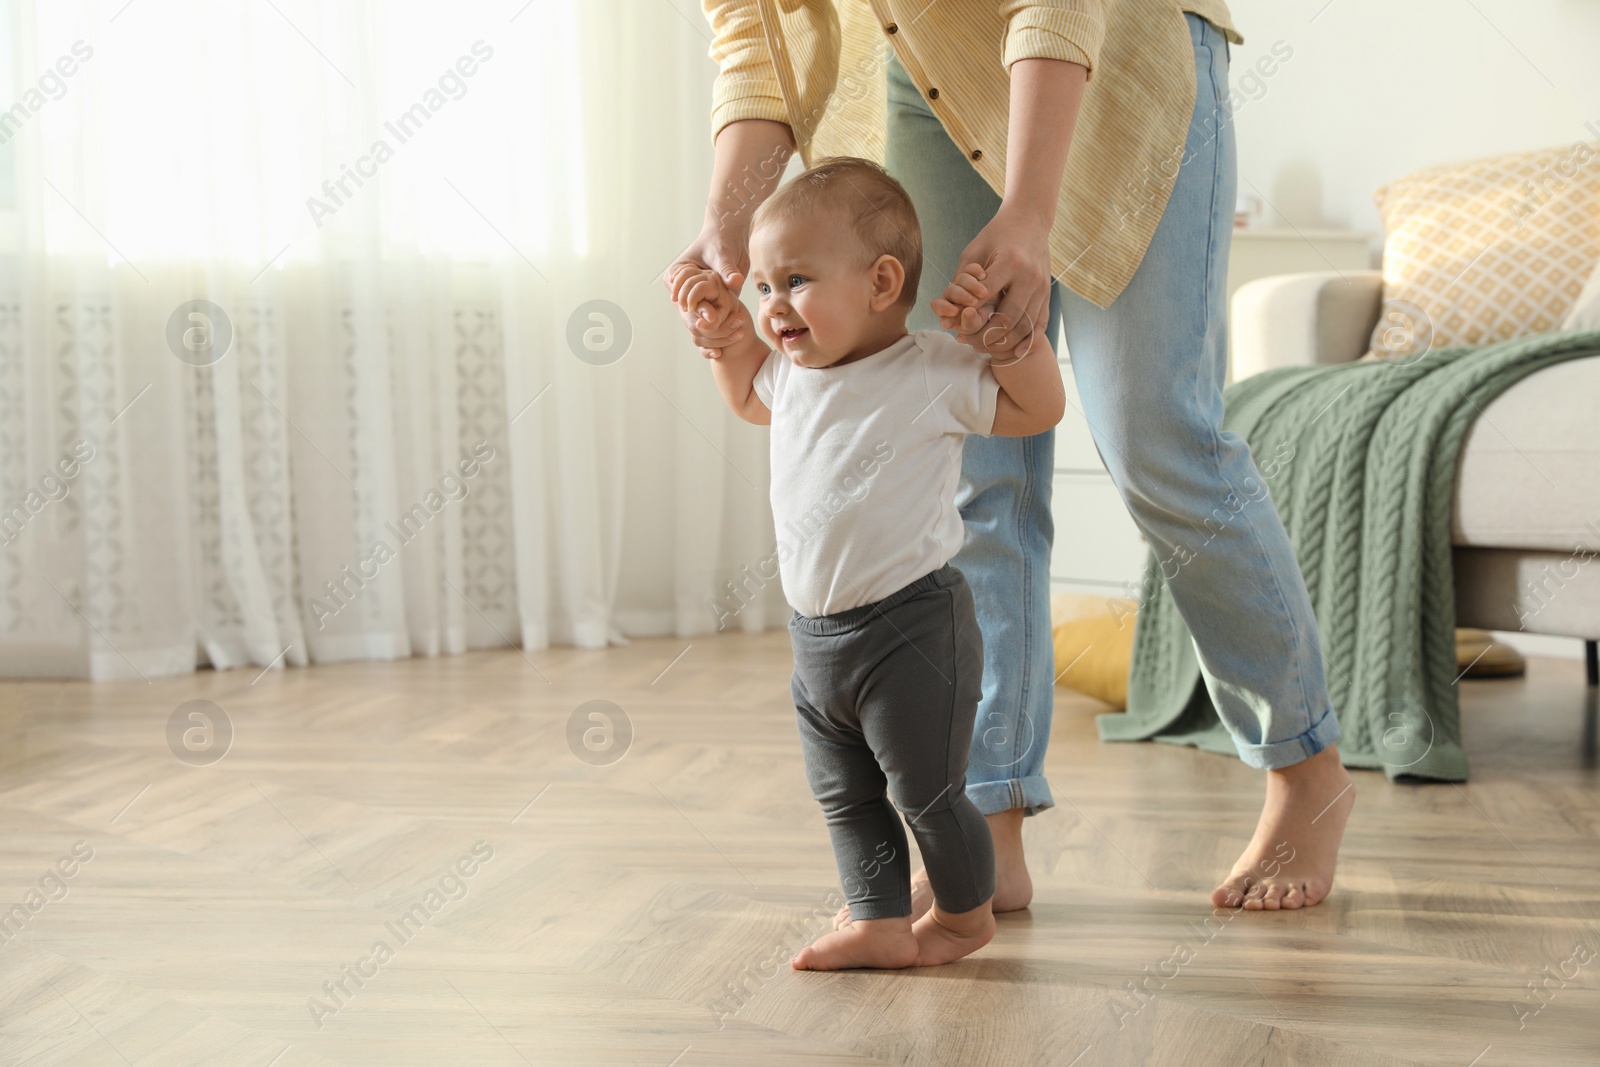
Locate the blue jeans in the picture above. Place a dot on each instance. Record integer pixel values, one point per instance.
(1150, 371)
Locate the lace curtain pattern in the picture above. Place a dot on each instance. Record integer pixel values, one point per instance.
(298, 337)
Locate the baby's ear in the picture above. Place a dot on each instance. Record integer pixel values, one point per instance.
(888, 280)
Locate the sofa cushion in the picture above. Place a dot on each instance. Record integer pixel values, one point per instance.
(1486, 250)
(1529, 475)
(1585, 314)
(1537, 592)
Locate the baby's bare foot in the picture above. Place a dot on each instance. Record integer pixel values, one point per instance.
(1289, 862)
(1013, 887)
(876, 943)
(921, 901)
(943, 937)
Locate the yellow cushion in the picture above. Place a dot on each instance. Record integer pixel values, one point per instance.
(1094, 646)
(1486, 250)
(1479, 655)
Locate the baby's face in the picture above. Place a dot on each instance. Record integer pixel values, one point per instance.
(816, 297)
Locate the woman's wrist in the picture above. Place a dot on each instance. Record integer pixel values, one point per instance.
(726, 225)
(751, 155)
(1033, 213)
(1045, 97)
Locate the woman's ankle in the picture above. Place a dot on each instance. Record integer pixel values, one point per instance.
(1006, 823)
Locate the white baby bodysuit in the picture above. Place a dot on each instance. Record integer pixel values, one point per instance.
(865, 461)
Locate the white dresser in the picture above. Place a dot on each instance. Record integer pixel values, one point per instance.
(1097, 547)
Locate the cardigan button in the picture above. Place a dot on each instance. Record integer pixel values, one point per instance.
(977, 153)
(891, 28)
(933, 94)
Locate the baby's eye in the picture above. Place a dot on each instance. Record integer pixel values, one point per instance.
(763, 288)
(796, 281)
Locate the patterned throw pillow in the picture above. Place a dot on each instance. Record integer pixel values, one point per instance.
(1487, 250)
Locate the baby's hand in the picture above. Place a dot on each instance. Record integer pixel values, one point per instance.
(963, 308)
(957, 308)
(714, 316)
(703, 293)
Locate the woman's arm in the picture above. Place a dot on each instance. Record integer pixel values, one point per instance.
(1045, 97)
(1015, 246)
(753, 143)
(750, 157)
(750, 131)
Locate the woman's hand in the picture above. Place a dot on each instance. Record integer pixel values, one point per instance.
(708, 306)
(1014, 249)
(968, 292)
(1014, 254)
(750, 158)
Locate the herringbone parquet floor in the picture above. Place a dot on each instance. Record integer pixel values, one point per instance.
(407, 863)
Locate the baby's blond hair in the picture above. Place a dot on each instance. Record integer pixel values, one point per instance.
(883, 218)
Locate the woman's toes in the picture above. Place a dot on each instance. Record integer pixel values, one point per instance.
(1272, 899)
(1295, 897)
(1229, 894)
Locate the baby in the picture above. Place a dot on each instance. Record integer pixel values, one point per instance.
(868, 424)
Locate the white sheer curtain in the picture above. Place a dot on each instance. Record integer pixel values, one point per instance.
(402, 212)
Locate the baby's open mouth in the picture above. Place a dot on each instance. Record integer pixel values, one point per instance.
(791, 333)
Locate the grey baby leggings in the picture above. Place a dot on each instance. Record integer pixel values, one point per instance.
(886, 695)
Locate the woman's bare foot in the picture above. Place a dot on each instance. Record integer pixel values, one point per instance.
(876, 943)
(943, 938)
(1013, 887)
(1289, 862)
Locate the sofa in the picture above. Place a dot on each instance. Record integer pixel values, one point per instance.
(1526, 518)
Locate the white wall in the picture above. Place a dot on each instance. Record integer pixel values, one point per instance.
(1376, 88)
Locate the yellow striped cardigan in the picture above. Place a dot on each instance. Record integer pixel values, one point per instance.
(818, 65)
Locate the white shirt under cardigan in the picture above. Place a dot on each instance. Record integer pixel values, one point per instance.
(865, 461)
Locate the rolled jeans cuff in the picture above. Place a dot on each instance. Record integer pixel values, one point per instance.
(1031, 794)
(1279, 754)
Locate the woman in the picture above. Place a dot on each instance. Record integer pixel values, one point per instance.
(1123, 244)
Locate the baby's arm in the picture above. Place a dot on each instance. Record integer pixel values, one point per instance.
(734, 369)
(1032, 396)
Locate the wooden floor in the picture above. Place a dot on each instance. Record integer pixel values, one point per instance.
(639, 912)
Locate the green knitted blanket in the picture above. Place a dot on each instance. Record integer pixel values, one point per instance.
(1363, 461)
